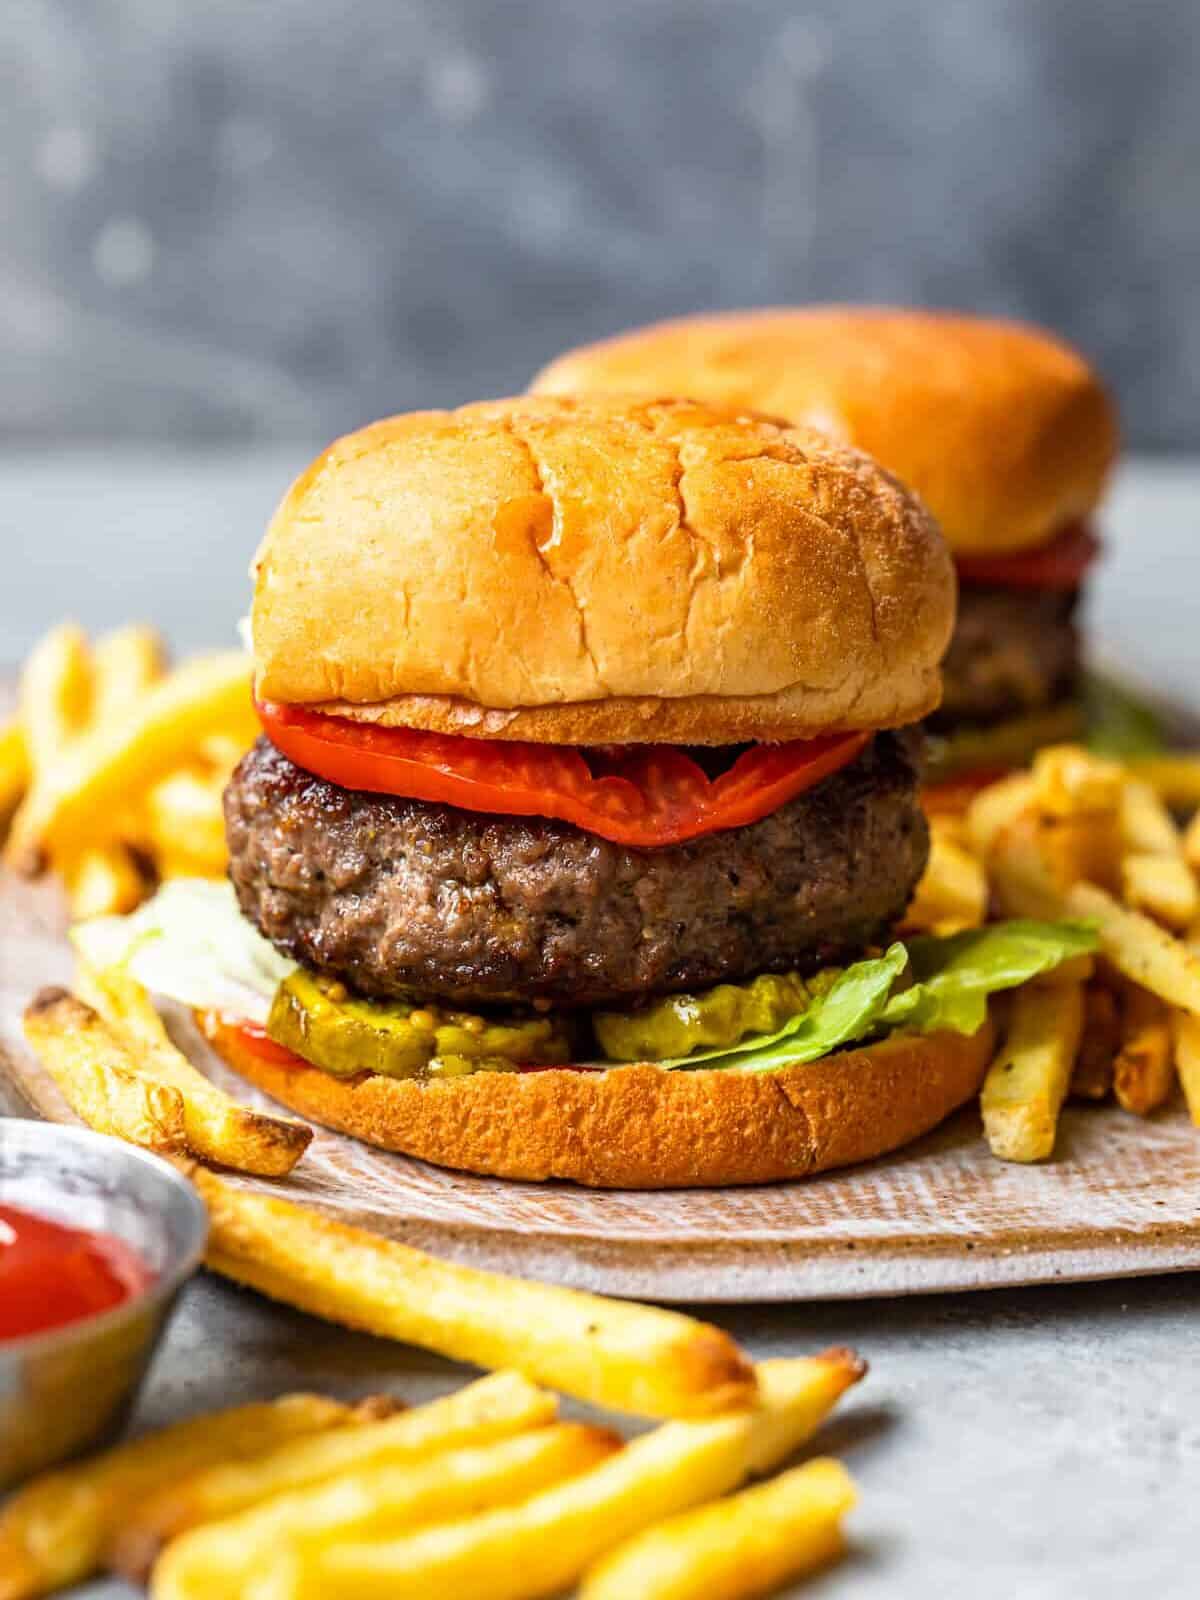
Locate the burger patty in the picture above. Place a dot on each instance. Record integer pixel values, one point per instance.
(398, 897)
(1014, 651)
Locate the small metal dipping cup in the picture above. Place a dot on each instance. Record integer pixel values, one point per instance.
(71, 1389)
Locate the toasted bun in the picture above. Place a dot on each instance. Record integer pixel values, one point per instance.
(639, 1127)
(603, 570)
(1005, 433)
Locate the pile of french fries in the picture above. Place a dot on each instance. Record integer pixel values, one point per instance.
(1089, 839)
(113, 767)
(483, 1493)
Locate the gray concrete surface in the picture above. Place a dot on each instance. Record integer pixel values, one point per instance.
(224, 220)
(1038, 1443)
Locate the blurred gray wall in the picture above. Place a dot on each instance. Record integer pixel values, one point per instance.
(279, 218)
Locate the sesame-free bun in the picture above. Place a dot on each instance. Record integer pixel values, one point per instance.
(1006, 433)
(602, 571)
(638, 1127)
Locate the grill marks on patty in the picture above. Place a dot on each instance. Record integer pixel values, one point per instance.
(1014, 651)
(397, 896)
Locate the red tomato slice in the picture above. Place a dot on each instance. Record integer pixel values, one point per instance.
(643, 795)
(251, 1037)
(1060, 564)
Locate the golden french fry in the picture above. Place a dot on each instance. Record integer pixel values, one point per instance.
(1146, 825)
(14, 767)
(55, 1530)
(186, 823)
(376, 1502)
(82, 799)
(1027, 1082)
(1075, 969)
(1163, 887)
(127, 662)
(997, 808)
(221, 752)
(216, 1128)
(1068, 781)
(953, 892)
(1139, 949)
(97, 1078)
(1142, 1068)
(542, 1545)
(735, 1549)
(1175, 778)
(1092, 1074)
(55, 695)
(104, 881)
(1191, 843)
(495, 1408)
(1185, 1031)
(629, 1357)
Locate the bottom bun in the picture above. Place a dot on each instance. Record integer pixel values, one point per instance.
(638, 1127)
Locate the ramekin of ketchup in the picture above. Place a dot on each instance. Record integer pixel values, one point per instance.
(52, 1273)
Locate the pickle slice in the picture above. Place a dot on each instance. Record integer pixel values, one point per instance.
(345, 1035)
(712, 1019)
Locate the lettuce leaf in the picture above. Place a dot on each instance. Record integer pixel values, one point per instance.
(191, 943)
(951, 981)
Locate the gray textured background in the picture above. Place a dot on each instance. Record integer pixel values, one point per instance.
(284, 217)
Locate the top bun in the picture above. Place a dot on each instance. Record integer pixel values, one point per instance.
(1006, 434)
(602, 571)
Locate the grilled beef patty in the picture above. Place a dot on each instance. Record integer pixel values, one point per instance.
(396, 897)
(1014, 651)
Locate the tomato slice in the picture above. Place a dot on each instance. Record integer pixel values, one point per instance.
(251, 1037)
(643, 795)
(1060, 564)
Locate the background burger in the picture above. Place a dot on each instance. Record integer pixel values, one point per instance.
(1004, 432)
(577, 828)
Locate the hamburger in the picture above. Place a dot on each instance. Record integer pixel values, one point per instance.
(586, 802)
(1005, 433)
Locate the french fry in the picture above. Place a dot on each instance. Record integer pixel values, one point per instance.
(82, 798)
(104, 881)
(1027, 1082)
(55, 1530)
(186, 824)
(376, 1502)
(1191, 843)
(1139, 949)
(1142, 1068)
(542, 1545)
(633, 1358)
(14, 767)
(1092, 1074)
(1147, 827)
(127, 661)
(735, 1549)
(996, 808)
(1185, 1030)
(271, 1490)
(55, 695)
(216, 1128)
(1163, 887)
(953, 892)
(1075, 969)
(1175, 778)
(96, 1077)
(1068, 781)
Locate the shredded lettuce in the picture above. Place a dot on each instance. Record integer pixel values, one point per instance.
(191, 943)
(951, 981)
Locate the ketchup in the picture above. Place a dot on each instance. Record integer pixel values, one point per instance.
(52, 1274)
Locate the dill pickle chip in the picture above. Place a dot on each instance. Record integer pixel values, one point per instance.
(344, 1035)
(712, 1019)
